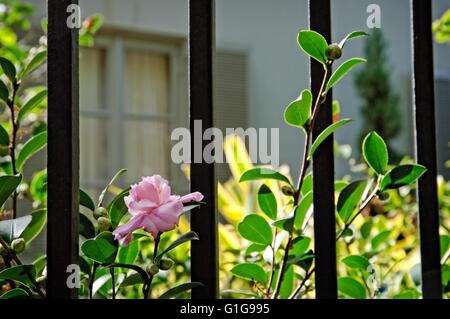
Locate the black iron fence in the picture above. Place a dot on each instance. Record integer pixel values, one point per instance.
(63, 152)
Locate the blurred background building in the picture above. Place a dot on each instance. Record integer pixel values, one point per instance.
(133, 82)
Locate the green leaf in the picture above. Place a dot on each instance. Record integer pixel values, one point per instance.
(302, 210)
(352, 35)
(286, 223)
(86, 200)
(103, 193)
(20, 274)
(256, 229)
(181, 240)
(356, 262)
(249, 271)
(342, 70)
(444, 241)
(263, 173)
(299, 111)
(314, 44)
(32, 146)
(402, 175)
(141, 272)
(8, 68)
(380, 238)
(35, 62)
(299, 246)
(102, 249)
(287, 286)
(307, 184)
(304, 260)
(11, 229)
(366, 229)
(255, 248)
(188, 208)
(39, 264)
(87, 229)
(31, 104)
(375, 152)
(351, 288)
(36, 225)
(325, 133)
(407, 294)
(178, 290)
(128, 254)
(8, 185)
(267, 202)
(15, 293)
(4, 92)
(349, 199)
(4, 136)
(117, 208)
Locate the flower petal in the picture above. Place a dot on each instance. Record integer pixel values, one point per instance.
(192, 197)
(126, 229)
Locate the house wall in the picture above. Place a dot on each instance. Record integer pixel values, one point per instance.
(266, 31)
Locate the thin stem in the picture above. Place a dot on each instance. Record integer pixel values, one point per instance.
(361, 209)
(304, 168)
(147, 290)
(272, 273)
(16, 259)
(299, 288)
(113, 282)
(92, 279)
(347, 225)
(15, 127)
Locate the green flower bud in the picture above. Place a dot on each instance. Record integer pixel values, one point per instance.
(152, 269)
(4, 150)
(384, 195)
(333, 51)
(287, 190)
(100, 212)
(166, 264)
(18, 245)
(104, 224)
(2, 251)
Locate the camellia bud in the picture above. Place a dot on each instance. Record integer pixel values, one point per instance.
(2, 251)
(383, 195)
(166, 264)
(18, 245)
(333, 51)
(104, 224)
(4, 150)
(100, 212)
(287, 190)
(152, 269)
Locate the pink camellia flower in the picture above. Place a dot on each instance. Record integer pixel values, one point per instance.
(153, 208)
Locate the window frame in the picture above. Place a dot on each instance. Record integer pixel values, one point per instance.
(113, 96)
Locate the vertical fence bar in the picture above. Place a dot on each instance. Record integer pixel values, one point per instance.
(63, 149)
(425, 134)
(323, 170)
(204, 220)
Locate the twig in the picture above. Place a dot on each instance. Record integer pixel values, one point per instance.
(15, 127)
(304, 168)
(347, 225)
(92, 279)
(16, 259)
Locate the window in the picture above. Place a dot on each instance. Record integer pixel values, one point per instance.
(130, 99)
